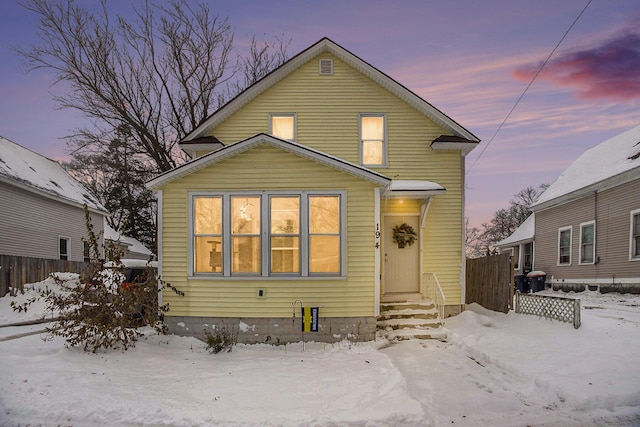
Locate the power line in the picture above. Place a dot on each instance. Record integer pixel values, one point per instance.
(528, 86)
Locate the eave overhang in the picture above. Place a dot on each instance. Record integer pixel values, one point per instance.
(452, 142)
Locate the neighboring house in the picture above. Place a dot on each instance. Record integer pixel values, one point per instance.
(129, 247)
(587, 223)
(520, 245)
(41, 207)
(293, 195)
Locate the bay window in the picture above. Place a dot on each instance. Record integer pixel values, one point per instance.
(297, 234)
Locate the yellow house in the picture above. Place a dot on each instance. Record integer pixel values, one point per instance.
(325, 185)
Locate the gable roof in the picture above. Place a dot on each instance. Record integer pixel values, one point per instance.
(33, 172)
(609, 163)
(523, 233)
(132, 244)
(323, 46)
(264, 139)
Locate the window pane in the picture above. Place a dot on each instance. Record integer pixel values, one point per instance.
(64, 249)
(587, 234)
(587, 253)
(246, 254)
(635, 250)
(208, 254)
(207, 213)
(565, 247)
(324, 215)
(324, 256)
(372, 153)
(285, 215)
(245, 215)
(285, 254)
(372, 128)
(282, 127)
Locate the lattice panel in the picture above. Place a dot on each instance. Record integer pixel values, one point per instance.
(551, 307)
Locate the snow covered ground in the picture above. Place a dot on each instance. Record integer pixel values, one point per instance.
(494, 369)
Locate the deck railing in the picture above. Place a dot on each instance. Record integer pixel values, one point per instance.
(430, 288)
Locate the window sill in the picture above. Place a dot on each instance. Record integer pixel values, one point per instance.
(264, 278)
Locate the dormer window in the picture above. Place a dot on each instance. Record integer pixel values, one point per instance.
(373, 141)
(283, 126)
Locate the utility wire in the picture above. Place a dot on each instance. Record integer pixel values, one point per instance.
(528, 86)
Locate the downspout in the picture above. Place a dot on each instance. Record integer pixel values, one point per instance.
(377, 247)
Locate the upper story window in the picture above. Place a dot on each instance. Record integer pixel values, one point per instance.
(295, 234)
(634, 247)
(373, 142)
(283, 126)
(564, 246)
(587, 242)
(64, 247)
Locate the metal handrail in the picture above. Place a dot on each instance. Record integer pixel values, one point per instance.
(431, 289)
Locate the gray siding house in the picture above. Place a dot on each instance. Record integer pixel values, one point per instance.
(41, 207)
(587, 223)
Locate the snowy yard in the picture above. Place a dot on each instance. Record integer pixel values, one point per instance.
(494, 369)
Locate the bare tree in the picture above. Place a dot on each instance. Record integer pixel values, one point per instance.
(481, 241)
(160, 73)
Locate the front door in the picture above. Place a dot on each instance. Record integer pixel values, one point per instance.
(401, 266)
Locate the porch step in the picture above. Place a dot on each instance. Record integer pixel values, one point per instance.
(403, 320)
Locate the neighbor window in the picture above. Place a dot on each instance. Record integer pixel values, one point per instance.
(564, 246)
(283, 126)
(527, 256)
(272, 234)
(373, 145)
(64, 247)
(86, 257)
(635, 235)
(587, 242)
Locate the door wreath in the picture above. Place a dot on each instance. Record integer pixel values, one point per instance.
(404, 235)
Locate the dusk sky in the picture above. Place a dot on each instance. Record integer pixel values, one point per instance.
(470, 59)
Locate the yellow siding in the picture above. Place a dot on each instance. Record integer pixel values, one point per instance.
(267, 168)
(327, 110)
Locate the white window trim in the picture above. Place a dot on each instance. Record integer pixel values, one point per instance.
(320, 70)
(68, 239)
(295, 123)
(560, 230)
(521, 255)
(385, 161)
(582, 225)
(631, 215)
(265, 255)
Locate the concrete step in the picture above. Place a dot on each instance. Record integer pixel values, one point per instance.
(414, 334)
(413, 319)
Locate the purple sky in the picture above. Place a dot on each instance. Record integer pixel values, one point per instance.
(470, 59)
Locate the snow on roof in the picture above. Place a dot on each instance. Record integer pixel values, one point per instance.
(525, 231)
(414, 185)
(606, 160)
(133, 245)
(41, 174)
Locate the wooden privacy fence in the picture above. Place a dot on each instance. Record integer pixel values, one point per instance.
(489, 282)
(15, 271)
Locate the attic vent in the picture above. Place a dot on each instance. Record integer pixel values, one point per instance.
(326, 67)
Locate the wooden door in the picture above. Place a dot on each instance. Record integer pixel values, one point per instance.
(401, 266)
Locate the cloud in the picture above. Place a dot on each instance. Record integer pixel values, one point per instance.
(607, 71)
